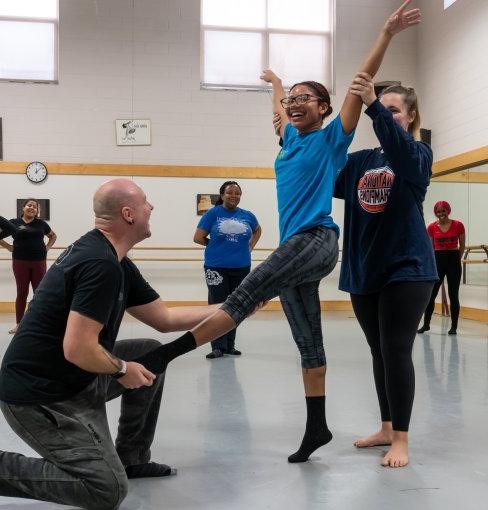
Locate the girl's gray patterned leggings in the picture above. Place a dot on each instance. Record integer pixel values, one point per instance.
(293, 272)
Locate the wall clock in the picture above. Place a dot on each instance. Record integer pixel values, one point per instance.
(36, 172)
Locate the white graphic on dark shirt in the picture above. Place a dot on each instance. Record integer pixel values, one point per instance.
(213, 277)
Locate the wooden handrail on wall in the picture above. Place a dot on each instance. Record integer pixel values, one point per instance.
(161, 248)
(480, 248)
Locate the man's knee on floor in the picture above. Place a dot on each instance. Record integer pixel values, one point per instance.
(107, 494)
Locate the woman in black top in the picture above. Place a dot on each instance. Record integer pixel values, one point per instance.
(28, 253)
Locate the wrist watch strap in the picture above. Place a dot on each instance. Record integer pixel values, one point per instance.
(122, 371)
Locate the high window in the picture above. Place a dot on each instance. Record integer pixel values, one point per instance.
(448, 3)
(240, 38)
(29, 40)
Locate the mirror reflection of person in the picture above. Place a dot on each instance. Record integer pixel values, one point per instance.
(229, 235)
(29, 253)
(449, 240)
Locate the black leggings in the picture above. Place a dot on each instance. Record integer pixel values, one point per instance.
(222, 282)
(449, 265)
(389, 319)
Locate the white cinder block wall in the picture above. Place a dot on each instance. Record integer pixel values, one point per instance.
(452, 74)
(120, 63)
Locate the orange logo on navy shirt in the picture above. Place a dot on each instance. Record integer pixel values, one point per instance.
(374, 188)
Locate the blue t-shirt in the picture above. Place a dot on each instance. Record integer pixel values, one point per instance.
(305, 171)
(385, 239)
(230, 233)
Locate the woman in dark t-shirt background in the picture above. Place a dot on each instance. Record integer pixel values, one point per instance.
(29, 253)
(449, 238)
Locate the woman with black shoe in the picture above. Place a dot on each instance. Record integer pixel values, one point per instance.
(229, 234)
(449, 238)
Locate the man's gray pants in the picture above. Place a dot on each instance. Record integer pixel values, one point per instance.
(80, 464)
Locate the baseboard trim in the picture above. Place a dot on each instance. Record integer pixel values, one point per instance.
(466, 312)
(475, 314)
(272, 306)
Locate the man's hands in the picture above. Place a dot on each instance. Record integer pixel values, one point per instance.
(136, 376)
(361, 86)
(401, 19)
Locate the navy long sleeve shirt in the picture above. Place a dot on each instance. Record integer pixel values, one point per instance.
(385, 239)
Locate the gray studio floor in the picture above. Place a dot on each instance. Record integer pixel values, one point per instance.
(229, 424)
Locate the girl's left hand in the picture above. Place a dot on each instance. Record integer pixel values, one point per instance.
(363, 86)
(401, 19)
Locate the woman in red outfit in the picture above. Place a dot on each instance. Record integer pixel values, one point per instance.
(448, 237)
(28, 253)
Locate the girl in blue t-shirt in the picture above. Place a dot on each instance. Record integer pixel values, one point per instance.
(229, 234)
(308, 251)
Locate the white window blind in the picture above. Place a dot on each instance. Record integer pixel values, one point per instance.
(29, 40)
(240, 38)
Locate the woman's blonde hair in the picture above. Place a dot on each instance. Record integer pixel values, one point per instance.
(410, 99)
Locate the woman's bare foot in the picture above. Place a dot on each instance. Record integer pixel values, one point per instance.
(397, 455)
(381, 438)
(13, 330)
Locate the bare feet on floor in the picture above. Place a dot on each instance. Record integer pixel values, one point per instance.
(381, 438)
(397, 455)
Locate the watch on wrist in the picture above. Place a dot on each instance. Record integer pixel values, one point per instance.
(122, 371)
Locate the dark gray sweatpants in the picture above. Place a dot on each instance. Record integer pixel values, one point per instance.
(80, 464)
(293, 272)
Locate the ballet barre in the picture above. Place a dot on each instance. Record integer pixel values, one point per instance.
(474, 249)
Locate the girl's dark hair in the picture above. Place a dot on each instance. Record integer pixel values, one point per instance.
(30, 200)
(222, 190)
(320, 91)
(410, 99)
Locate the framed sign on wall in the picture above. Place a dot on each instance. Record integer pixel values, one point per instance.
(205, 201)
(133, 131)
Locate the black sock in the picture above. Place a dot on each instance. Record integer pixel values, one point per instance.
(149, 470)
(157, 359)
(316, 431)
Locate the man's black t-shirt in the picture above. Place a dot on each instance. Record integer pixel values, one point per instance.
(28, 239)
(89, 279)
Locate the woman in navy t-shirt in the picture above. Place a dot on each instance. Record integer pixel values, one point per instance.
(388, 264)
(229, 234)
(449, 238)
(29, 253)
